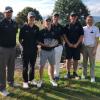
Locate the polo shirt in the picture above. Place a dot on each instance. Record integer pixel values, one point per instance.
(49, 37)
(29, 36)
(73, 32)
(90, 34)
(8, 30)
(58, 29)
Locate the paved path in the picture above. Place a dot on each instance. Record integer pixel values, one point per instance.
(19, 60)
(98, 53)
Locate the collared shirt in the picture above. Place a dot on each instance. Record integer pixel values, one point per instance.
(73, 32)
(58, 31)
(29, 36)
(49, 38)
(8, 30)
(90, 34)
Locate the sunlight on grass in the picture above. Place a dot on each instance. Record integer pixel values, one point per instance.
(67, 89)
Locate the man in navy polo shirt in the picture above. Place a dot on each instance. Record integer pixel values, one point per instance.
(8, 30)
(48, 41)
(73, 38)
(28, 39)
(58, 29)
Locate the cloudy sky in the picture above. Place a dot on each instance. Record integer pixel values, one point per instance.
(45, 7)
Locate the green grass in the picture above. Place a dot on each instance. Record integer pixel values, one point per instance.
(67, 89)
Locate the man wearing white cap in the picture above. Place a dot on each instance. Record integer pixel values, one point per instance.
(28, 38)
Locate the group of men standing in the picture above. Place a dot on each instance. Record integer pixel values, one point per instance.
(51, 38)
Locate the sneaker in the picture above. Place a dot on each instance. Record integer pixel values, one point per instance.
(39, 84)
(53, 83)
(75, 75)
(13, 84)
(92, 80)
(56, 78)
(84, 77)
(4, 93)
(33, 82)
(25, 85)
(67, 76)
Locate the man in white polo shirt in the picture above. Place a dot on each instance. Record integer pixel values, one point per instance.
(90, 44)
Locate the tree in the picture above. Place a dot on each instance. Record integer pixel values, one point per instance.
(98, 24)
(65, 7)
(22, 16)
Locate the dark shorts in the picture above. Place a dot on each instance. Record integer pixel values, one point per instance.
(72, 53)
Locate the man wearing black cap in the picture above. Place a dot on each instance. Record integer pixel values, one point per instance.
(48, 41)
(73, 38)
(8, 30)
(28, 39)
(58, 50)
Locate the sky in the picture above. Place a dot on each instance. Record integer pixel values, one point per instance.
(45, 7)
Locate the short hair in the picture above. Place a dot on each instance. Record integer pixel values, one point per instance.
(89, 17)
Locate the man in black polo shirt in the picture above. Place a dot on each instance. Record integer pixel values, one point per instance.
(8, 30)
(28, 39)
(73, 38)
(58, 29)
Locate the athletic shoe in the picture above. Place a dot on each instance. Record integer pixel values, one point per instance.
(25, 85)
(92, 80)
(39, 84)
(67, 76)
(56, 78)
(4, 93)
(53, 83)
(33, 82)
(13, 84)
(75, 75)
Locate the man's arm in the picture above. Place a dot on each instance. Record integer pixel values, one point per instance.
(66, 41)
(95, 48)
(78, 42)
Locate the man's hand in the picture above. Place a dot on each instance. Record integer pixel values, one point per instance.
(94, 52)
(70, 45)
(75, 45)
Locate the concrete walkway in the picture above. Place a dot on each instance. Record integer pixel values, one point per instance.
(98, 53)
(19, 60)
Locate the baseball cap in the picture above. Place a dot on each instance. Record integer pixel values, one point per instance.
(73, 14)
(47, 18)
(31, 14)
(55, 14)
(8, 9)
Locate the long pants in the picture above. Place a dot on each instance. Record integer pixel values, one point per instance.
(29, 58)
(58, 54)
(7, 61)
(88, 53)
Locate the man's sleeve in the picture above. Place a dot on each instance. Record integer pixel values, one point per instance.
(81, 30)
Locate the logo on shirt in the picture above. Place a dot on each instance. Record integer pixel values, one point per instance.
(92, 31)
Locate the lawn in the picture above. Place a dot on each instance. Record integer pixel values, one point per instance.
(67, 89)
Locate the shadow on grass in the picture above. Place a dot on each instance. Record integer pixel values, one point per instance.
(62, 92)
